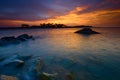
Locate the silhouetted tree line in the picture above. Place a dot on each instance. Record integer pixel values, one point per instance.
(25, 25)
(44, 25)
(51, 25)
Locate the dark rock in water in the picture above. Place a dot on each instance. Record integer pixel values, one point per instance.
(39, 65)
(34, 70)
(24, 37)
(70, 76)
(13, 40)
(46, 76)
(12, 61)
(24, 57)
(1, 59)
(50, 75)
(8, 41)
(43, 77)
(17, 63)
(8, 38)
(87, 31)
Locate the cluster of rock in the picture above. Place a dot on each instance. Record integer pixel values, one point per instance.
(87, 31)
(19, 61)
(15, 40)
(34, 72)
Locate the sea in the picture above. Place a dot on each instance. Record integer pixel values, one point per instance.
(65, 53)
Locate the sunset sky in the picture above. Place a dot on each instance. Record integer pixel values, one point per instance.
(101, 13)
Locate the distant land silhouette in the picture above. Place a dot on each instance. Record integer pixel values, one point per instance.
(44, 26)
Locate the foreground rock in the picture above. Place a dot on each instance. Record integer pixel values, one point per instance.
(43, 77)
(87, 31)
(24, 57)
(34, 70)
(46, 76)
(70, 76)
(50, 75)
(15, 40)
(24, 37)
(15, 60)
(17, 63)
(39, 65)
(36, 66)
(4, 77)
(8, 40)
(1, 59)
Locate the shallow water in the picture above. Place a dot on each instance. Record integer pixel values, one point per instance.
(94, 57)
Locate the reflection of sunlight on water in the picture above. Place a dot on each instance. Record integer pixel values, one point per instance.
(68, 42)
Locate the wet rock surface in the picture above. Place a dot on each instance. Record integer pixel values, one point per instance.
(4, 41)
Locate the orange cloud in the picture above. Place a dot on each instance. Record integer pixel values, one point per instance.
(97, 18)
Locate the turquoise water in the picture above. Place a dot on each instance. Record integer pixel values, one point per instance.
(94, 57)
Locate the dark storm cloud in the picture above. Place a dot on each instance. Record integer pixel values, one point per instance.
(42, 9)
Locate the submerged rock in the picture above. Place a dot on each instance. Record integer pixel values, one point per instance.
(70, 76)
(4, 77)
(38, 65)
(16, 62)
(15, 40)
(50, 75)
(24, 37)
(34, 70)
(1, 58)
(8, 60)
(87, 31)
(8, 40)
(24, 57)
(46, 76)
(11, 38)
(43, 77)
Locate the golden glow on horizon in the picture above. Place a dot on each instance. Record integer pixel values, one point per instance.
(96, 18)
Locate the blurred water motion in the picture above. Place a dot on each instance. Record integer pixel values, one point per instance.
(94, 57)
